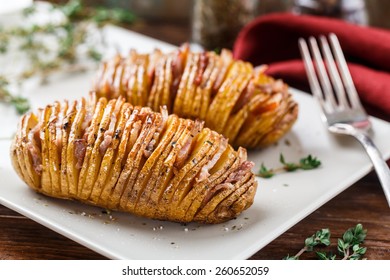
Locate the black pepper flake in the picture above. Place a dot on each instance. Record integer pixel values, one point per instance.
(102, 129)
(210, 143)
(117, 132)
(173, 143)
(65, 126)
(194, 161)
(172, 243)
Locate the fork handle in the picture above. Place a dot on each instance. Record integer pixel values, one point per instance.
(380, 165)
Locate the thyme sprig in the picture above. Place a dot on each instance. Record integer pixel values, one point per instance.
(306, 163)
(20, 103)
(320, 237)
(69, 34)
(348, 247)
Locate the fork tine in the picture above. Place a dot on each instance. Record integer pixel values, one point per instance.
(311, 74)
(345, 74)
(334, 73)
(324, 79)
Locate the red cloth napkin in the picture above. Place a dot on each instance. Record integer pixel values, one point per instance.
(273, 40)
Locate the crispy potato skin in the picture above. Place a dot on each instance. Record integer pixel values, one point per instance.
(235, 99)
(112, 154)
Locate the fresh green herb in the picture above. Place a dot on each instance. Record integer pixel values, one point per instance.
(348, 247)
(265, 172)
(305, 163)
(21, 104)
(71, 35)
(320, 237)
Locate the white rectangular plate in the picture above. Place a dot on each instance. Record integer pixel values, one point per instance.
(280, 202)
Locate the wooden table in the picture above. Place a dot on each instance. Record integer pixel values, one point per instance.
(364, 202)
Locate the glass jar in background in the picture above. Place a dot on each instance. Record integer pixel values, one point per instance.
(216, 23)
(349, 10)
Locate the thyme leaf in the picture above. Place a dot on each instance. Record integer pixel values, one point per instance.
(306, 163)
(348, 247)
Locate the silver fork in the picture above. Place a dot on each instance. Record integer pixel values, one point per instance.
(338, 98)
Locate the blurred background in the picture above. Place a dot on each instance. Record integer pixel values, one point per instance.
(181, 10)
(215, 23)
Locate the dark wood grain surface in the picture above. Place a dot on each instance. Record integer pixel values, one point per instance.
(364, 202)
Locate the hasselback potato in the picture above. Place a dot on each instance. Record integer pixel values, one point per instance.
(235, 99)
(118, 156)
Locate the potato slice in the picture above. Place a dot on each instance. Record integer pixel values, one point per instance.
(255, 126)
(152, 167)
(44, 135)
(221, 192)
(207, 63)
(94, 154)
(187, 183)
(104, 139)
(189, 92)
(66, 127)
(143, 83)
(54, 147)
(196, 155)
(193, 200)
(167, 84)
(280, 128)
(131, 148)
(224, 64)
(178, 104)
(107, 197)
(77, 145)
(165, 171)
(109, 77)
(134, 163)
(110, 154)
(22, 152)
(157, 88)
(17, 152)
(141, 168)
(139, 136)
(212, 118)
(235, 203)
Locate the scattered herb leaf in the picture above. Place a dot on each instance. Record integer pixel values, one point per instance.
(348, 247)
(265, 172)
(306, 163)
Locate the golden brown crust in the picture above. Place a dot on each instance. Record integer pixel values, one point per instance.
(248, 107)
(132, 159)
